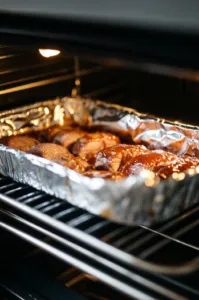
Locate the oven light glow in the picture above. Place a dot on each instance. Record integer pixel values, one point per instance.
(49, 52)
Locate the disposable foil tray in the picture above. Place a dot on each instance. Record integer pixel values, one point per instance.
(139, 199)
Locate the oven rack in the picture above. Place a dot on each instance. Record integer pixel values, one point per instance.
(84, 240)
(24, 280)
(34, 272)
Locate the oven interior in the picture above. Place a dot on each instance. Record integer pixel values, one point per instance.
(28, 77)
(32, 270)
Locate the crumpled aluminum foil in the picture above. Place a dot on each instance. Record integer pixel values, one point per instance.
(137, 200)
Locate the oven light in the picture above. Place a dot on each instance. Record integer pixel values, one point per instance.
(49, 52)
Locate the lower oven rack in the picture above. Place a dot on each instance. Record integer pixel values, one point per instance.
(23, 279)
(67, 232)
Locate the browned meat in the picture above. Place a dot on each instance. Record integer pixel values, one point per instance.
(68, 137)
(100, 154)
(180, 165)
(75, 163)
(149, 161)
(49, 134)
(161, 162)
(23, 143)
(118, 176)
(50, 151)
(60, 155)
(86, 165)
(94, 142)
(111, 158)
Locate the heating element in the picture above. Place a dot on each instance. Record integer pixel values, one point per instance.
(33, 215)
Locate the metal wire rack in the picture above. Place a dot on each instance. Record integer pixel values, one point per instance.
(101, 248)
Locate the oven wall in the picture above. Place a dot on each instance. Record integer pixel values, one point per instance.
(27, 77)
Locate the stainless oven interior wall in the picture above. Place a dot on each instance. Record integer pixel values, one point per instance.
(26, 77)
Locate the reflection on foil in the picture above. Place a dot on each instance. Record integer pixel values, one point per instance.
(139, 199)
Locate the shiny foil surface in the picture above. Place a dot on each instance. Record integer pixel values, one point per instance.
(137, 200)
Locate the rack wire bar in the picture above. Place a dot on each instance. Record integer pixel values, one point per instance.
(126, 258)
(34, 213)
(91, 256)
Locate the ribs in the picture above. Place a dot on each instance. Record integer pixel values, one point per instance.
(60, 155)
(113, 157)
(22, 143)
(94, 142)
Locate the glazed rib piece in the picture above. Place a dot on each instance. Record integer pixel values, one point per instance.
(180, 165)
(149, 160)
(94, 142)
(50, 151)
(99, 154)
(22, 143)
(163, 163)
(49, 134)
(75, 163)
(68, 136)
(113, 157)
(59, 155)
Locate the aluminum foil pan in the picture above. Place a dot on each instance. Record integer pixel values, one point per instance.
(139, 199)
